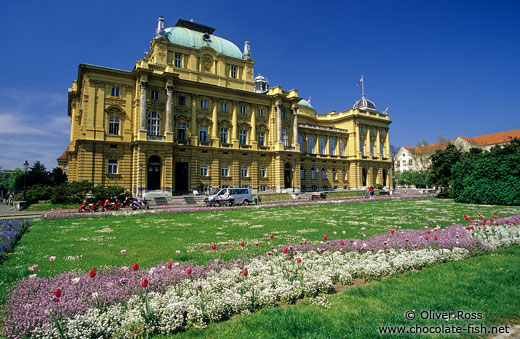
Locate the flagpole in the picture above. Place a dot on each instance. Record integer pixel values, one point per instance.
(362, 86)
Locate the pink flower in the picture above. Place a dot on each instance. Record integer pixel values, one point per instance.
(363, 228)
(334, 233)
(177, 252)
(52, 258)
(123, 281)
(32, 276)
(343, 232)
(33, 268)
(199, 287)
(123, 251)
(124, 269)
(256, 243)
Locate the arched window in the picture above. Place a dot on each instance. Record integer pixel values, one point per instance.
(302, 173)
(322, 146)
(285, 137)
(342, 147)
(324, 174)
(332, 146)
(313, 173)
(312, 144)
(154, 124)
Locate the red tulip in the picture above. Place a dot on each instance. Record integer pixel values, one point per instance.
(169, 265)
(495, 213)
(429, 232)
(271, 235)
(298, 260)
(426, 238)
(188, 271)
(245, 272)
(57, 293)
(342, 242)
(435, 238)
(392, 231)
(491, 219)
(135, 267)
(469, 228)
(144, 282)
(92, 273)
(213, 247)
(242, 244)
(284, 250)
(325, 237)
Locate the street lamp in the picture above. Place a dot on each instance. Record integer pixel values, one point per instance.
(25, 168)
(140, 179)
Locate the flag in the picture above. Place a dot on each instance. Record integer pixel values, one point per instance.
(360, 82)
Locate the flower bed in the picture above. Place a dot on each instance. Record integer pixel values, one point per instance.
(178, 296)
(63, 215)
(10, 232)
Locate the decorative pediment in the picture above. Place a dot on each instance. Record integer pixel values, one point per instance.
(204, 121)
(114, 110)
(225, 123)
(182, 117)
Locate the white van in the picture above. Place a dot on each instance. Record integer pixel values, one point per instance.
(229, 196)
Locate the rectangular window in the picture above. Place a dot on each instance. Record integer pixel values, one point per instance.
(154, 124)
(243, 109)
(203, 133)
(245, 171)
(112, 166)
(154, 95)
(361, 130)
(262, 172)
(263, 188)
(181, 132)
(223, 107)
(342, 147)
(301, 141)
(302, 173)
(224, 135)
(322, 146)
(372, 149)
(114, 92)
(362, 147)
(182, 100)
(178, 60)
(332, 146)
(243, 137)
(311, 144)
(313, 174)
(284, 114)
(234, 72)
(285, 137)
(204, 103)
(261, 112)
(203, 170)
(324, 174)
(261, 138)
(225, 170)
(113, 126)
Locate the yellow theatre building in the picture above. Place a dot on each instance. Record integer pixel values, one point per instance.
(191, 115)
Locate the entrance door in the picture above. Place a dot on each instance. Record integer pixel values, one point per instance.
(181, 176)
(287, 176)
(364, 175)
(154, 173)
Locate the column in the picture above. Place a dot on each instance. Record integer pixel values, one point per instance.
(194, 136)
(367, 144)
(378, 144)
(279, 123)
(357, 146)
(295, 128)
(142, 110)
(387, 144)
(169, 109)
(252, 137)
(234, 130)
(214, 127)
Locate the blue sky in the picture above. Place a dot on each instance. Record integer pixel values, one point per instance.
(442, 67)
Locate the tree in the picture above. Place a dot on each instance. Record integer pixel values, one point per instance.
(441, 138)
(393, 150)
(441, 165)
(422, 143)
(36, 175)
(58, 177)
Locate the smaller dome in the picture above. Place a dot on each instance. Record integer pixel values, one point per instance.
(305, 103)
(260, 77)
(364, 103)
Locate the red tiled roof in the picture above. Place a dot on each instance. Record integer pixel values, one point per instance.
(64, 155)
(428, 149)
(492, 139)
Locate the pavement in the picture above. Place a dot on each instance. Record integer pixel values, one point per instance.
(514, 332)
(6, 212)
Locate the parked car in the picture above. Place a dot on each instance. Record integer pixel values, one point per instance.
(229, 197)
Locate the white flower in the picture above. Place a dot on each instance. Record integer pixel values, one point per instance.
(75, 281)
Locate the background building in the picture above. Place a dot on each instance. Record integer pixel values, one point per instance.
(192, 116)
(418, 158)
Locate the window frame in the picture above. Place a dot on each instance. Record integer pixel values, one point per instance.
(263, 172)
(154, 124)
(244, 170)
(242, 134)
(113, 167)
(224, 133)
(115, 91)
(203, 133)
(113, 125)
(204, 170)
(261, 138)
(224, 170)
(178, 60)
(183, 129)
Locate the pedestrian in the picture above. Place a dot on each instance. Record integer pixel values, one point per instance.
(371, 192)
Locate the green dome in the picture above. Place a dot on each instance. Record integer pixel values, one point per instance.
(305, 103)
(189, 38)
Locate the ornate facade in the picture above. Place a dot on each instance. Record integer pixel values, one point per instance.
(191, 116)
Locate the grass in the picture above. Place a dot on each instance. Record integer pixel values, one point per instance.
(83, 244)
(487, 284)
(47, 206)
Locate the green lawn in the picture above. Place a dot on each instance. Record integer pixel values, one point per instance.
(83, 244)
(487, 284)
